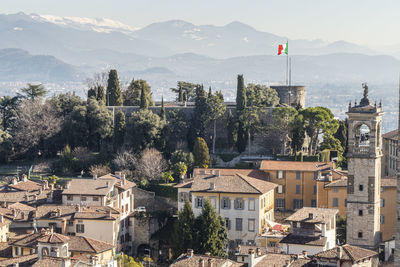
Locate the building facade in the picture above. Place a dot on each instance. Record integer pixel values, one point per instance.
(390, 153)
(364, 173)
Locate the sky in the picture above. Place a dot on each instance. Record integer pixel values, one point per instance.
(365, 22)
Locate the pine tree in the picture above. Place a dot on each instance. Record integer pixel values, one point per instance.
(92, 92)
(201, 153)
(119, 130)
(33, 91)
(180, 93)
(144, 103)
(114, 94)
(211, 232)
(186, 227)
(163, 114)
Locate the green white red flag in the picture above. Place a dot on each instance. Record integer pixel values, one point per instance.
(283, 48)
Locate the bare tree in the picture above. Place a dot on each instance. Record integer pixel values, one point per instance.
(99, 170)
(36, 122)
(151, 164)
(125, 160)
(99, 79)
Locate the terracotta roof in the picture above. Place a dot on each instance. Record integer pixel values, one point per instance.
(86, 244)
(320, 215)
(75, 212)
(391, 135)
(27, 185)
(276, 260)
(255, 173)
(185, 261)
(27, 260)
(100, 187)
(21, 206)
(389, 181)
(53, 238)
(185, 184)
(276, 165)
(26, 197)
(5, 250)
(302, 262)
(58, 262)
(304, 240)
(119, 182)
(29, 241)
(349, 252)
(236, 183)
(338, 183)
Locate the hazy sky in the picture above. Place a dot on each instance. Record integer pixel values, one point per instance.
(367, 22)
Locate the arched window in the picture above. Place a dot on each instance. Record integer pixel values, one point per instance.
(45, 251)
(364, 135)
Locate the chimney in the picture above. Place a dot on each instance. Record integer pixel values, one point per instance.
(78, 208)
(210, 262)
(14, 181)
(1, 218)
(107, 184)
(118, 174)
(34, 214)
(304, 253)
(67, 184)
(310, 216)
(24, 178)
(189, 253)
(251, 262)
(201, 262)
(217, 173)
(258, 252)
(211, 171)
(212, 186)
(339, 252)
(208, 254)
(95, 177)
(51, 186)
(123, 179)
(40, 191)
(58, 212)
(46, 184)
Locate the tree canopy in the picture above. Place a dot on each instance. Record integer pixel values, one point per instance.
(114, 93)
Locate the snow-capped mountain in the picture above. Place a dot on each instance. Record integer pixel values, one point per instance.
(96, 24)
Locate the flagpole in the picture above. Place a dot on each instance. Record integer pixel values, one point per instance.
(287, 63)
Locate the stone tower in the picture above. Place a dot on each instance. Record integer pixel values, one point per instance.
(364, 177)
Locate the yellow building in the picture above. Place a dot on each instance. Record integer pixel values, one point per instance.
(336, 195)
(244, 202)
(298, 182)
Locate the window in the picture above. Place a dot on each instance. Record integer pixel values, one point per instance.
(335, 189)
(297, 175)
(313, 203)
(83, 198)
(297, 203)
(252, 204)
(126, 207)
(182, 196)
(361, 187)
(239, 224)
(80, 228)
(122, 208)
(95, 198)
(127, 193)
(297, 189)
(45, 251)
(239, 204)
(69, 197)
(382, 219)
(315, 190)
(280, 174)
(335, 202)
(228, 223)
(360, 235)
(70, 222)
(225, 203)
(199, 202)
(251, 225)
(345, 202)
(382, 202)
(279, 189)
(360, 212)
(280, 203)
(315, 175)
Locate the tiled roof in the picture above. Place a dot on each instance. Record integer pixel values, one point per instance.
(320, 215)
(255, 173)
(236, 183)
(389, 181)
(29, 241)
(86, 244)
(276, 165)
(185, 184)
(302, 262)
(338, 183)
(5, 250)
(21, 206)
(27, 185)
(185, 261)
(27, 260)
(276, 260)
(349, 252)
(100, 187)
(26, 197)
(53, 238)
(75, 212)
(119, 182)
(59, 262)
(391, 135)
(304, 240)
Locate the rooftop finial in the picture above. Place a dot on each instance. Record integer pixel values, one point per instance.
(365, 101)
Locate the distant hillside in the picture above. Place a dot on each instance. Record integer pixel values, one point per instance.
(19, 65)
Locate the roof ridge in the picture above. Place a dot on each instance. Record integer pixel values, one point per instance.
(90, 244)
(344, 247)
(244, 179)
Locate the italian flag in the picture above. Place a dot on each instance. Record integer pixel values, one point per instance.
(283, 48)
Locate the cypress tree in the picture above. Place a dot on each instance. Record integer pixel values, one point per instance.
(186, 227)
(114, 93)
(119, 130)
(201, 153)
(241, 103)
(163, 114)
(209, 92)
(144, 103)
(101, 96)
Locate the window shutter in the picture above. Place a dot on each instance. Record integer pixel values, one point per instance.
(197, 202)
(229, 203)
(283, 188)
(284, 174)
(236, 204)
(277, 174)
(222, 203)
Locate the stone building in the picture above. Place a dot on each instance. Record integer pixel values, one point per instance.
(292, 95)
(364, 174)
(390, 153)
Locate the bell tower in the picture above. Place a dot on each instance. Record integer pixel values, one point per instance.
(364, 173)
